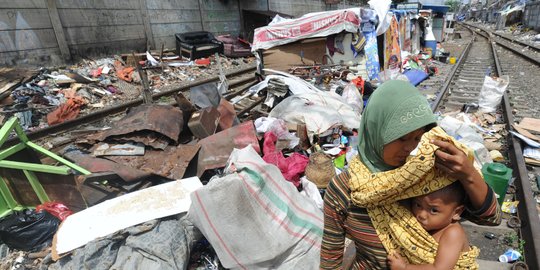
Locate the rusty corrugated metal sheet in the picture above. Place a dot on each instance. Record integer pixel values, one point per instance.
(151, 124)
(216, 149)
(96, 165)
(170, 163)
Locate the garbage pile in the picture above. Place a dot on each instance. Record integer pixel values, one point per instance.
(47, 97)
(253, 190)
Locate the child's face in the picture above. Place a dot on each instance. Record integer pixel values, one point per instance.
(434, 212)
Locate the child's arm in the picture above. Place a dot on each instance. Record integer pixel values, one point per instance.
(450, 246)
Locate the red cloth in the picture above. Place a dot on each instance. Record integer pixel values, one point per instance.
(291, 167)
(56, 209)
(66, 111)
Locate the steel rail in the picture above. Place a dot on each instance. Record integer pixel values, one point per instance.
(535, 61)
(448, 81)
(528, 214)
(94, 116)
(513, 40)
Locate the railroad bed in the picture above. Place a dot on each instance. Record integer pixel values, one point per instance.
(489, 54)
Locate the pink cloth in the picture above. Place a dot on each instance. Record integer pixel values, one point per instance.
(291, 167)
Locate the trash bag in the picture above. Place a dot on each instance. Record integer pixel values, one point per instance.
(492, 93)
(27, 229)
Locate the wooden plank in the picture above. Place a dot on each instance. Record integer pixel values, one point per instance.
(525, 133)
(171, 4)
(530, 124)
(58, 29)
(174, 16)
(51, 56)
(146, 23)
(13, 19)
(101, 17)
(99, 4)
(27, 39)
(95, 34)
(168, 30)
(22, 4)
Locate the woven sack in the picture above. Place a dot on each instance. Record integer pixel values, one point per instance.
(320, 169)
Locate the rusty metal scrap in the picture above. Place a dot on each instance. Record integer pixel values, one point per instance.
(150, 124)
(96, 165)
(216, 149)
(171, 162)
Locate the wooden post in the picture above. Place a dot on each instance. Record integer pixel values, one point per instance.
(150, 43)
(58, 29)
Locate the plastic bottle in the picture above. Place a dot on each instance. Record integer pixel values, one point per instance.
(497, 176)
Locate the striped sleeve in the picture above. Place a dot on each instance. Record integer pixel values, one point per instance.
(335, 211)
(489, 214)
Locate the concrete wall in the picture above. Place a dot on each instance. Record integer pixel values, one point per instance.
(93, 28)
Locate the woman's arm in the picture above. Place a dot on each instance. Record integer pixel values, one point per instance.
(333, 242)
(453, 161)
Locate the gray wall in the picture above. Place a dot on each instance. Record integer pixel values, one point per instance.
(94, 28)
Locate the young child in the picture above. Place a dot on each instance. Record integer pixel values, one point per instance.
(439, 213)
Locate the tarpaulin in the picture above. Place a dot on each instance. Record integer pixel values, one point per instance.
(320, 24)
(254, 219)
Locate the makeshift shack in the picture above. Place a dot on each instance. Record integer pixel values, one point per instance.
(307, 40)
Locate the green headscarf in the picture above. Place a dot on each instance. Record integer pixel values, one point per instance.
(394, 109)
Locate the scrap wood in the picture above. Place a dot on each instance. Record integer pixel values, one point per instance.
(525, 133)
(530, 124)
(119, 213)
(532, 161)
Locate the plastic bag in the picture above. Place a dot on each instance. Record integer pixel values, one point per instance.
(57, 209)
(492, 92)
(352, 96)
(27, 229)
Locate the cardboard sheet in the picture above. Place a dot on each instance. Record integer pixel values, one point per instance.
(119, 213)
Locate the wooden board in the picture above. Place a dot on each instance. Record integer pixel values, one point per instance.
(530, 124)
(121, 212)
(286, 56)
(526, 133)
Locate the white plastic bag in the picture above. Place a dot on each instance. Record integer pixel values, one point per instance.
(492, 92)
(352, 96)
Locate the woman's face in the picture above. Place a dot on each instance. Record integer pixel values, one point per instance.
(396, 152)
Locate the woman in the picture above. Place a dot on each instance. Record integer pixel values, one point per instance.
(395, 119)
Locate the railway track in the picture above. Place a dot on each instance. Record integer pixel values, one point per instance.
(488, 54)
(239, 81)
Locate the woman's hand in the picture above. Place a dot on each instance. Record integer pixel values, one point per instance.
(456, 163)
(396, 262)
